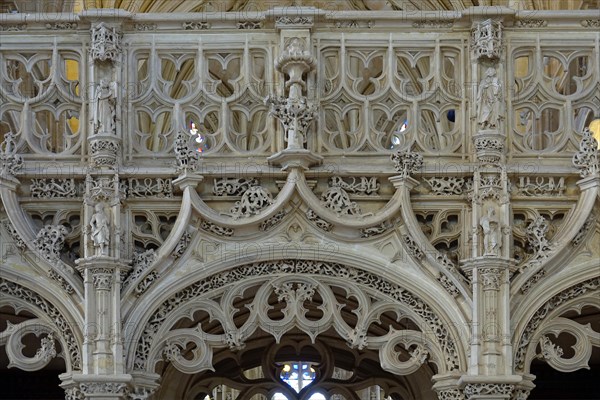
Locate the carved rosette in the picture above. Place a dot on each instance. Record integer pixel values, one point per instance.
(104, 150)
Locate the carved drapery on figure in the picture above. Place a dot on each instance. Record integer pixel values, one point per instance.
(105, 108)
(488, 100)
(491, 233)
(100, 230)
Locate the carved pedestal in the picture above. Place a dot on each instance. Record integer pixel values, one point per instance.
(103, 346)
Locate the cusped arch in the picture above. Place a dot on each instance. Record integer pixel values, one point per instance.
(294, 282)
(543, 316)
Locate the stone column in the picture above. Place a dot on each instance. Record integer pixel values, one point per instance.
(103, 266)
(490, 375)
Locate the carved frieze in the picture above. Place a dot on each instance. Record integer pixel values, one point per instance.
(233, 186)
(216, 229)
(253, 201)
(446, 185)
(361, 185)
(320, 222)
(53, 188)
(149, 187)
(540, 186)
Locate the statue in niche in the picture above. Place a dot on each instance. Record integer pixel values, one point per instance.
(491, 233)
(100, 230)
(105, 108)
(488, 100)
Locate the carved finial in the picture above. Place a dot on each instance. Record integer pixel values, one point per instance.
(586, 159)
(407, 162)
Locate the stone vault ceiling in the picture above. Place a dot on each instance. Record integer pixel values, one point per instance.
(159, 6)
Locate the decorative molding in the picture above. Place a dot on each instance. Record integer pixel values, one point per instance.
(52, 274)
(586, 159)
(61, 26)
(446, 185)
(253, 201)
(475, 390)
(532, 281)
(491, 278)
(557, 300)
(434, 23)
(249, 25)
(273, 221)
(293, 292)
(233, 186)
(407, 162)
(72, 351)
(360, 185)
(583, 231)
(53, 188)
(531, 23)
(195, 25)
(320, 222)
(590, 23)
(49, 242)
(150, 187)
(182, 244)
(10, 162)
(216, 229)
(540, 186)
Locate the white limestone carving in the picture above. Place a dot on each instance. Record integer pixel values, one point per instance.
(486, 39)
(311, 215)
(447, 185)
(492, 241)
(141, 262)
(150, 187)
(106, 43)
(11, 163)
(254, 199)
(337, 199)
(182, 245)
(540, 186)
(104, 115)
(216, 229)
(73, 354)
(407, 163)
(100, 230)
(586, 159)
(536, 321)
(366, 186)
(16, 238)
(53, 188)
(50, 241)
(474, 390)
(489, 100)
(294, 290)
(233, 186)
(273, 221)
(52, 274)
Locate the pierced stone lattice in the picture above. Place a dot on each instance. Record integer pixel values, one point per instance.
(300, 267)
(29, 296)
